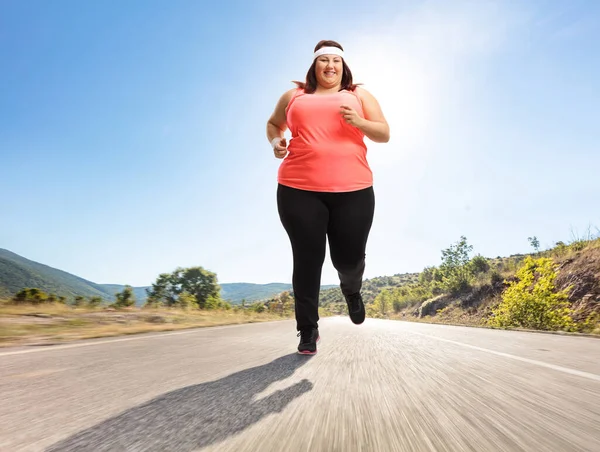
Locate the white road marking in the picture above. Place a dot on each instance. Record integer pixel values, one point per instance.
(566, 370)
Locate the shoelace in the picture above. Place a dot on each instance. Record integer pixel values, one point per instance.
(305, 335)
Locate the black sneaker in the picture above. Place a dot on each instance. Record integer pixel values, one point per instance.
(308, 341)
(356, 308)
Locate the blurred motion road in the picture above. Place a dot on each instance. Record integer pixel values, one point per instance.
(381, 386)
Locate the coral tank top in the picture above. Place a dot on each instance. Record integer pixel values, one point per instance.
(325, 153)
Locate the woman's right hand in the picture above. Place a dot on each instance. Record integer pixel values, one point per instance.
(280, 148)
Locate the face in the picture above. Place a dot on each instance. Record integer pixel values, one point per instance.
(329, 69)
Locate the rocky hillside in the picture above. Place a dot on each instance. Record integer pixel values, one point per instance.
(555, 289)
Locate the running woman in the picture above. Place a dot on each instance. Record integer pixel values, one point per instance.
(325, 185)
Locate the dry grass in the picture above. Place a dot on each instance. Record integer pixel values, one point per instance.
(27, 325)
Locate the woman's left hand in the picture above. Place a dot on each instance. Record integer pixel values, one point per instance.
(351, 116)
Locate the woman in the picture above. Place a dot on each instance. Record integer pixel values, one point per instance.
(325, 185)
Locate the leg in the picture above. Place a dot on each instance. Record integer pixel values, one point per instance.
(304, 217)
(350, 222)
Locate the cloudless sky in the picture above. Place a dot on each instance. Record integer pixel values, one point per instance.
(132, 134)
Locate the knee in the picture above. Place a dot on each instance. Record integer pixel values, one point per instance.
(349, 265)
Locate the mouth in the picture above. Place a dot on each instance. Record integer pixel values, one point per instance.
(330, 73)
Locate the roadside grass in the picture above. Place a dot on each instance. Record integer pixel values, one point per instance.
(44, 324)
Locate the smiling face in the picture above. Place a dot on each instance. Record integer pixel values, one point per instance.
(329, 70)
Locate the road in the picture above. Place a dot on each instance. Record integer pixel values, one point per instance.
(381, 386)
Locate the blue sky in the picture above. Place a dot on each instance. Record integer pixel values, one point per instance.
(132, 134)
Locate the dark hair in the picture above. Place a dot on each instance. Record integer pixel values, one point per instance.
(310, 85)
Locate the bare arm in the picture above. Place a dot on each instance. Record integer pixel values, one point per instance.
(276, 125)
(374, 125)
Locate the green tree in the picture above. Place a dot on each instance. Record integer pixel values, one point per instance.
(125, 299)
(429, 275)
(164, 291)
(532, 301)
(196, 281)
(199, 282)
(456, 275)
(383, 302)
(431, 278)
(535, 243)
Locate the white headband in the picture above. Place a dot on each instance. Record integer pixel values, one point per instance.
(328, 51)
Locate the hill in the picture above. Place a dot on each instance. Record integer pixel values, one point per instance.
(17, 273)
(236, 292)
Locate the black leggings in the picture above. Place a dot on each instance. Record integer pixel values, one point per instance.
(309, 218)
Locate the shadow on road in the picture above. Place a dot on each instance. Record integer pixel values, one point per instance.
(195, 416)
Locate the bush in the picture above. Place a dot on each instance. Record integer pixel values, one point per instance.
(258, 307)
(495, 278)
(479, 265)
(78, 301)
(457, 275)
(532, 300)
(94, 302)
(33, 296)
(578, 245)
(186, 301)
(560, 249)
(384, 302)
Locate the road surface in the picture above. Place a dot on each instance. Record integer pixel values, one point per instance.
(381, 386)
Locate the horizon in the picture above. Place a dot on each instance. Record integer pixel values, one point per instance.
(133, 142)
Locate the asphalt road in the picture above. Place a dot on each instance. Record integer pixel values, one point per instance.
(381, 386)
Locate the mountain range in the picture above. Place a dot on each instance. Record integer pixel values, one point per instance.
(17, 273)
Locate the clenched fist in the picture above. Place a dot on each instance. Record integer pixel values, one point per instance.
(351, 116)
(280, 147)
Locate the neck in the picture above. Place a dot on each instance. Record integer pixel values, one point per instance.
(325, 90)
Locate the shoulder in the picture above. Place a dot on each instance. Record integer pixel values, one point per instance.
(364, 94)
(291, 93)
(367, 99)
(284, 100)
(287, 96)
